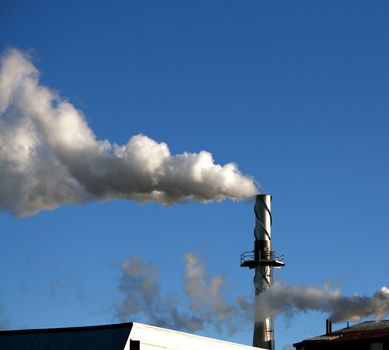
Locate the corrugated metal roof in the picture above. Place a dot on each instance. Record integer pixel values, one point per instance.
(367, 326)
(367, 330)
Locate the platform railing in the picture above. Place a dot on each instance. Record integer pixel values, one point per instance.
(265, 257)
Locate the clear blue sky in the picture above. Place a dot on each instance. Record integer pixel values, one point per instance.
(294, 92)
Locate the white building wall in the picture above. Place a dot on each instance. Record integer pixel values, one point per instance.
(155, 338)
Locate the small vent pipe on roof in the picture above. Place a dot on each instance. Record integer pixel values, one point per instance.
(328, 327)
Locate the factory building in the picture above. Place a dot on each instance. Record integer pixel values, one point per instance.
(124, 336)
(369, 335)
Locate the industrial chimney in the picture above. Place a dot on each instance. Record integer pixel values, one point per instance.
(263, 260)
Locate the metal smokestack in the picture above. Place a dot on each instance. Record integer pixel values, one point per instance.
(263, 260)
(263, 328)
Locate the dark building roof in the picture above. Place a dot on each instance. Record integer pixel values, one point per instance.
(107, 337)
(367, 332)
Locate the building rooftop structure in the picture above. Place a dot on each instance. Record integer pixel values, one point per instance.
(124, 336)
(368, 335)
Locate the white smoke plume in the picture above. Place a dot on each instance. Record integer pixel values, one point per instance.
(49, 155)
(291, 299)
(205, 303)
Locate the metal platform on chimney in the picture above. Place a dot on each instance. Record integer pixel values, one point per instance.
(248, 259)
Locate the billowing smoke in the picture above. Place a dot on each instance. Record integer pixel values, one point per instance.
(204, 299)
(49, 156)
(291, 299)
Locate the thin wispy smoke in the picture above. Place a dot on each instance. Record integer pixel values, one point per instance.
(205, 305)
(291, 299)
(205, 296)
(204, 302)
(49, 155)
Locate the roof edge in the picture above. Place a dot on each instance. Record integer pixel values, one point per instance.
(67, 329)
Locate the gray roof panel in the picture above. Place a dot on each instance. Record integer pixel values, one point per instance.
(110, 337)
